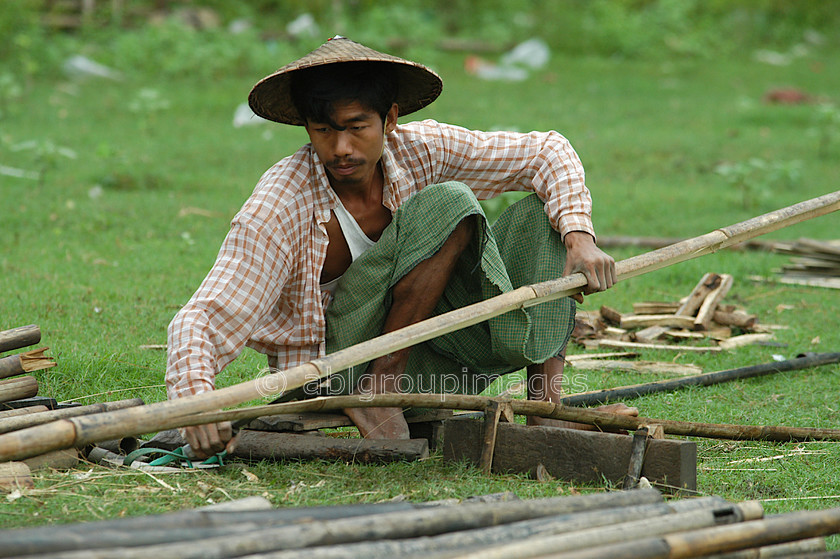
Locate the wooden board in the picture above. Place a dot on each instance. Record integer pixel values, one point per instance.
(572, 455)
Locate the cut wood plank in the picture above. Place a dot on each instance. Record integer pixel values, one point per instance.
(645, 320)
(657, 367)
(692, 303)
(571, 454)
(655, 307)
(650, 334)
(262, 445)
(611, 315)
(746, 339)
(711, 302)
(593, 344)
(830, 283)
(739, 318)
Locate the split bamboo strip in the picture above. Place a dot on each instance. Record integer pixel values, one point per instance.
(707, 379)
(17, 338)
(26, 362)
(772, 530)
(417, 523)
(18, 388)
(29, 420)
(81, 431)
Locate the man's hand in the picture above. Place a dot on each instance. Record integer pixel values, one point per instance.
(582, 255)
(208, 440)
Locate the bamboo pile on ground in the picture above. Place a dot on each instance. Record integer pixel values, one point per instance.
(21, 407)
(634, 524)
(16, 384)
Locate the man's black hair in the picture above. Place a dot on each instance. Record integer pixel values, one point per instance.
(316, 90)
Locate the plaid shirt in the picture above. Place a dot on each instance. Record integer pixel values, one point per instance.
(263, 291)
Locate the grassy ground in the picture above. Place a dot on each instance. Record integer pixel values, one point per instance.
(112, 237)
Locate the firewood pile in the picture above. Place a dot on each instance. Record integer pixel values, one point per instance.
(637, 523)
(21, 406)
(815, 263)
(699, 322)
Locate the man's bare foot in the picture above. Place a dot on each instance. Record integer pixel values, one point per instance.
(619, 408)
(379, 423)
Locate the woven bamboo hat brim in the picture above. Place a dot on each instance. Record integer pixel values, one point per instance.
(417, 86)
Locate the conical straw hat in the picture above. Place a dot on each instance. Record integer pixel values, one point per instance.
(271, 98)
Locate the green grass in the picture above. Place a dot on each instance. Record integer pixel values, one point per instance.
(103, 250)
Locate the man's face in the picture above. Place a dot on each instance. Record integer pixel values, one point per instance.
(351, 152)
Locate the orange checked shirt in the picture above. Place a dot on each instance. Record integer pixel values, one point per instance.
(263, 290)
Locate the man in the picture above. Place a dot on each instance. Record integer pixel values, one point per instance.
(373, 226)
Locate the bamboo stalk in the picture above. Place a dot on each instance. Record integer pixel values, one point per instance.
(17, 338)
(428, 521)
(18, 388)
(707, 379)
(26, 362)
(81, 431)
(29, 420)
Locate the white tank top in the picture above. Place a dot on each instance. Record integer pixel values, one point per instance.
(356, 239)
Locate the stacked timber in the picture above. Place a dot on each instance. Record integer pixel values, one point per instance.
(814, 263)
(15, 383)
(21, 406)
(631, 524)
(699, 322)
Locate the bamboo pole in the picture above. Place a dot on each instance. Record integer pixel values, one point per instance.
(29, 420)
(26, 362)
(163, 415)
(706, 379)
(18, 388)
(17, 338)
